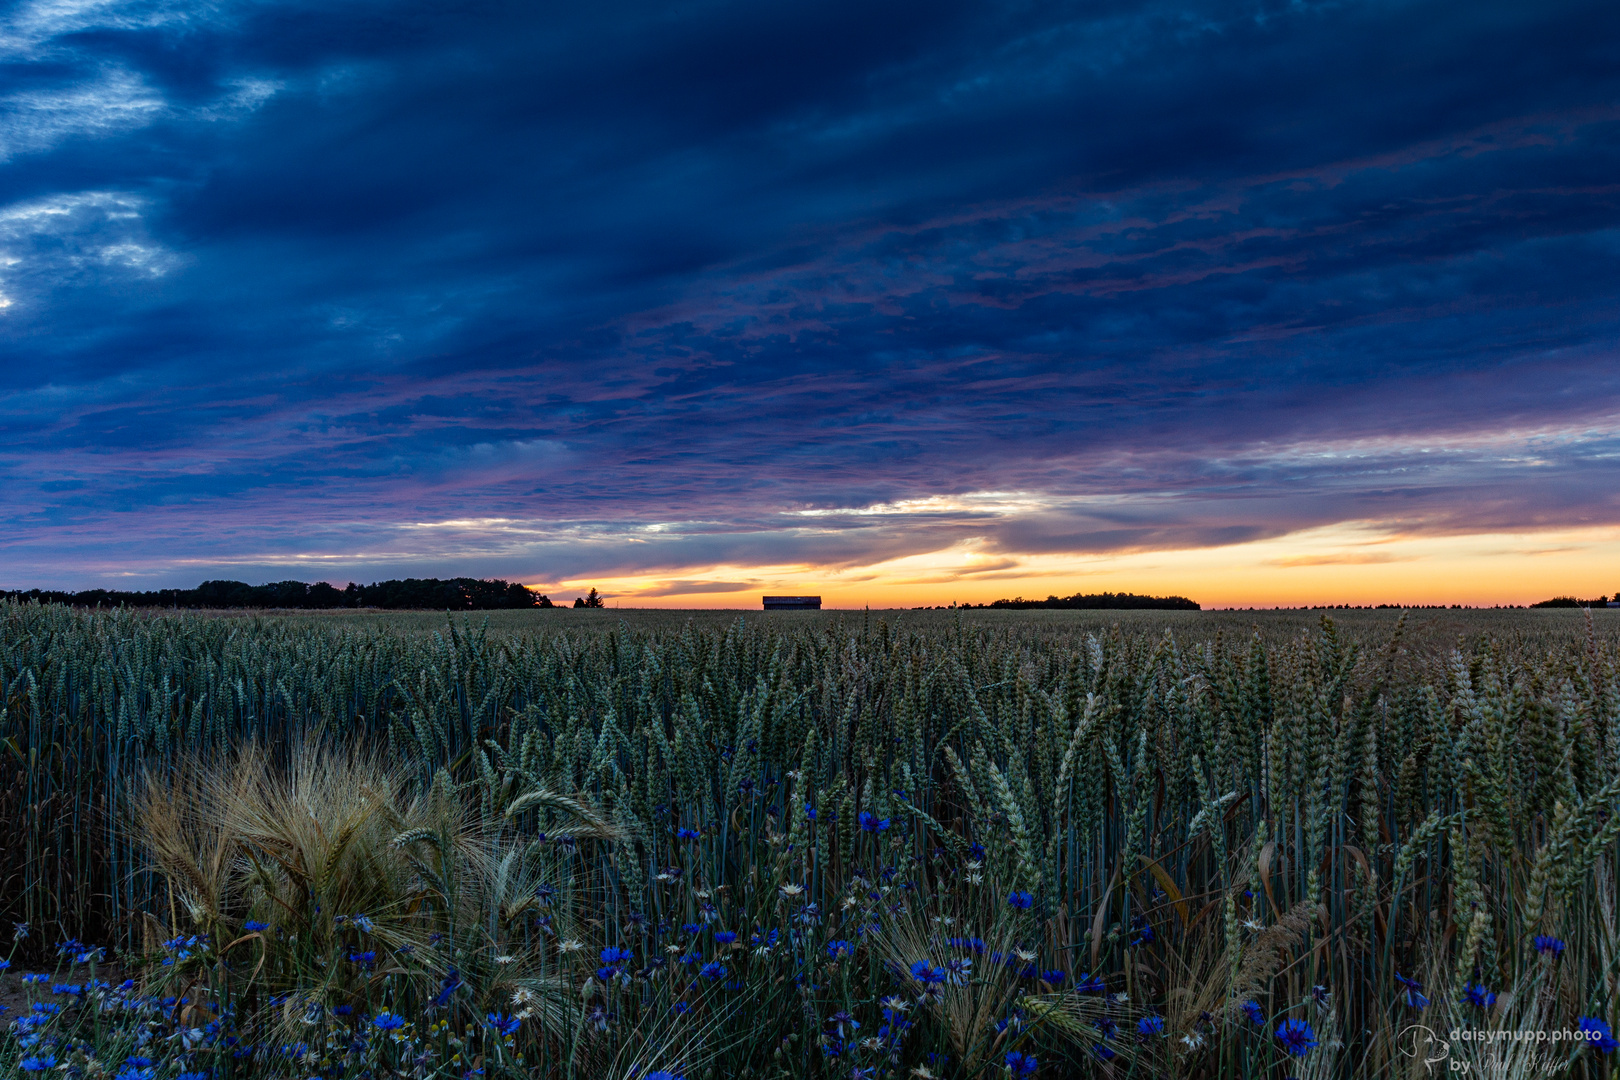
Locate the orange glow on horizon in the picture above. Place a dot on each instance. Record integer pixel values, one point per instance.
(1356, 564)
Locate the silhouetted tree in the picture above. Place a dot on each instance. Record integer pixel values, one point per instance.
(1098, 600)
(457, 594)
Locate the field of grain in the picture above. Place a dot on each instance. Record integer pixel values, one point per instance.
(641, 845)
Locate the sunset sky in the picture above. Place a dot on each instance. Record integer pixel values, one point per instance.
(1260, 303)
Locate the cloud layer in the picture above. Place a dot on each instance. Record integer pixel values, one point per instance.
(360, 289)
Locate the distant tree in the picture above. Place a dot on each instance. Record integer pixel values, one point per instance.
(458, 594)
(590, 600)
(223, 594)
(323, 595)
(1099, 600)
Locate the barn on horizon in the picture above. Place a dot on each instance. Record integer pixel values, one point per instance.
(792, 603)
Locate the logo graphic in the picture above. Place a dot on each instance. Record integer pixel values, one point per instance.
(1417, 1041)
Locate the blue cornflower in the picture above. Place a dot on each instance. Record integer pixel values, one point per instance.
(1549, 945)
(686, 834)
(505, 1025)
(1054, 977)
(1413, 994)
(1296, 1037)
(616, 956)
(725, 937)
(387, 1021)
(364, 923)
(1150, 1025)
(872, 823)
(139, 1062)
(254, 926)
(131, 1072)
(1597, 1035)
(834, 948)
(662, 1075)
(342, 1010)
(1475, 994)
(809, 811)
(452, 981)
(67, 988)
(1023, 901)
(1255, 1013)
(925, 972)
(713, 971)
(1144, 931)
(367, 959)
(1103, 1053)
(1088, 983)
(976, 851)
(691, 927)
(38, 1063)
(195, 1074)
(1020, 1064)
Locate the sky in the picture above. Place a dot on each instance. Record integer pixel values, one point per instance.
(899, 304)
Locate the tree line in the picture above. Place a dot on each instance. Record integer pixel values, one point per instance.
(1097, 600)
(433, 594)
(1571, 601)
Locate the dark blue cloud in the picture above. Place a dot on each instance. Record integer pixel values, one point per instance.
(293, 282)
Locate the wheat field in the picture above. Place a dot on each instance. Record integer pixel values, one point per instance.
(645, 845)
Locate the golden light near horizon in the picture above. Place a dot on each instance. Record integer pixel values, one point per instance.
(1355, 563)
